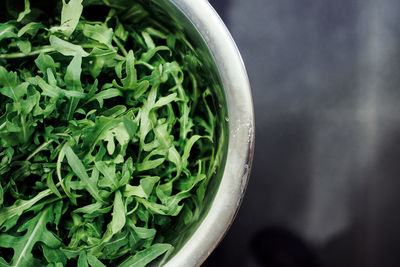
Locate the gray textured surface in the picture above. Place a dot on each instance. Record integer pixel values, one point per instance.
(325, 79)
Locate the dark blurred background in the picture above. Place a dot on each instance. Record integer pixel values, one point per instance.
(325, 184)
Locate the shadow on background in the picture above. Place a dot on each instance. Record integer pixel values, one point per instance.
(278, 247)
(325, 82)
(285, 192)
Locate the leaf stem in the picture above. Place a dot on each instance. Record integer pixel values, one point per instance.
(149, 66)
(40, 148)
(43, 49)
(24, 132)
(120, 46)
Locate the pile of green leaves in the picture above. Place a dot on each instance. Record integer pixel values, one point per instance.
(107, 134)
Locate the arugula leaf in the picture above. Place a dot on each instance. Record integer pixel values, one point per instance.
(79, 169)
(144, 190)
(66, 48)
(119, 219)
(31, 28)
(7, 30)
(25, 12)
(88, 259)
(54, 255)
(100, 33)
(20, 206)
(129, 82)
(82, 261)
(110, 175)
(70, 15)
(105, 94)
(3, 262)
(56, 92)
(117, 223)
(10, 85)
(51, 185)
(44, 63)
(109, 134)
(146, 256)
(62, 181)
(73, 84)
(24, 46)
(36, 231)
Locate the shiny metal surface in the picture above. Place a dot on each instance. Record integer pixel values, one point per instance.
(213, 41)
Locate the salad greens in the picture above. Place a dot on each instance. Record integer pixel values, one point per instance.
(108, 133)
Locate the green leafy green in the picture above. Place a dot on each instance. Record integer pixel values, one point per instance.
(100, 33)
(36, 231)
(66, 48)
(109, 133)
(7, 30)
(146, 256)
(70, 15)
(79, 169)
(26, 11)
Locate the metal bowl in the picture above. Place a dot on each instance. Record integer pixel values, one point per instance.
(214, 43)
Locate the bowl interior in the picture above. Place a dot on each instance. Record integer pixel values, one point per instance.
(167, 13)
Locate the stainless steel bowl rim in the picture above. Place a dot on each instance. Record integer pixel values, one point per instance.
(241, 137)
